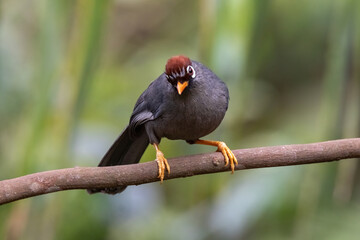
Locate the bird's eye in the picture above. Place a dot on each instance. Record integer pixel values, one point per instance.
(191, 71)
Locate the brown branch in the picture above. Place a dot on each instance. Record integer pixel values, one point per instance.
(135, 174)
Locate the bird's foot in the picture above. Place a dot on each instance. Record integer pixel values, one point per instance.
(228, 155)
(162, 164)
(225, 150)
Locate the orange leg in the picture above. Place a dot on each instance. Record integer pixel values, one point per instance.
(162, 163)
(225, 150)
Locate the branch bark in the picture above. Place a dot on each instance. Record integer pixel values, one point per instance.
(135, 174)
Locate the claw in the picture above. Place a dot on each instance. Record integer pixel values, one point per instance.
(222, 148)
(225, 150)
(162, 164)
(228, 155)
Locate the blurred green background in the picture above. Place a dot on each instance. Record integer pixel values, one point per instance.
(71, 72)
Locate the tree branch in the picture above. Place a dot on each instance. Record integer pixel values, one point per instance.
(135, 174)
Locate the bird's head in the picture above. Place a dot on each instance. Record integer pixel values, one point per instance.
(179, 72)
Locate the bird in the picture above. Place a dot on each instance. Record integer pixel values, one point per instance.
(186, 102)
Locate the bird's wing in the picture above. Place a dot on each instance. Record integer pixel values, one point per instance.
(138, 120)
(149, 105)
(139, 117)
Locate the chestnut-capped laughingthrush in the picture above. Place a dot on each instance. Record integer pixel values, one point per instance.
(187, 101)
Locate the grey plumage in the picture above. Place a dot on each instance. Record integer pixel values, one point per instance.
(125, 150)
(161, 112)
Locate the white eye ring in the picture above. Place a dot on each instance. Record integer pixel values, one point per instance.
(191, 70)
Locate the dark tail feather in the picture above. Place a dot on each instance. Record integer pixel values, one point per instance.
(125, 150)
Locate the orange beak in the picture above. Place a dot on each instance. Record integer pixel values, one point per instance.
(181, 86)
